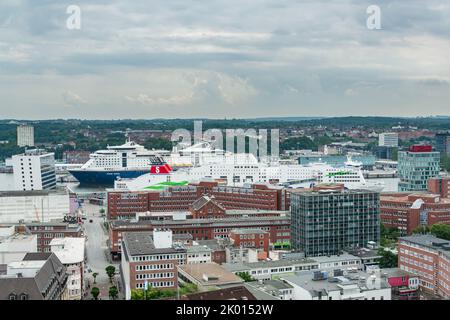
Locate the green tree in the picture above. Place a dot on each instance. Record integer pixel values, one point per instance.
(95, 274)
(445, 162)
(394, 154)
(110, 271)
(421, 230)
(388, 259)
(137, 294)
(298, 143)
(102, 211)
(113, 292)
(158, 144)
(245, 276)
(95, 292)
(441, 231)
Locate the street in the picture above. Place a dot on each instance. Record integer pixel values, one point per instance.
(96, 248)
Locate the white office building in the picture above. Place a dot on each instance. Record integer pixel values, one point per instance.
(25, 136)
(34, 170)
(339, 285)
(71, 253)
(388, 139)
(33, 206)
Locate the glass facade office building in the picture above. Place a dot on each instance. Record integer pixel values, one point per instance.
(415, 168)
(329, 222)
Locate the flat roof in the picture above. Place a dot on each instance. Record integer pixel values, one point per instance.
(217, 273)
(235, 267)
(341, 257)
(305, 280)
(248, 231)
(68, 250)
(141, 243)
(429, 241)
(31, 193)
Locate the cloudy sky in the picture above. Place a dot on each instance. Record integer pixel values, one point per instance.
(223, 58)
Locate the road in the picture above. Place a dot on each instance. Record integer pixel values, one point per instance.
(96, 246)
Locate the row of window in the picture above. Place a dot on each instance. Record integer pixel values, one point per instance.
(154, 267)
(155, 275)
(160, 284)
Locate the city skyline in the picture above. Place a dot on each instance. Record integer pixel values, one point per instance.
(187, 60)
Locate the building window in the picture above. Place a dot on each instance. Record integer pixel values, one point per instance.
(12, 296)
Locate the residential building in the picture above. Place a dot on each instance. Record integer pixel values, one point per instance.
(407, 211)
(428, 257)
(198, 254)
(150, 259)
(416, 166)
(207, 276)
(39, 276)
(388, 139)
(217, 247)
(327, 222)
(25, 136)
(33, 206)
(15, 243)
(71, 253)
(34, 170)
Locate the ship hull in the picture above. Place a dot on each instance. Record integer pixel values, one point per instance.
(104, 178)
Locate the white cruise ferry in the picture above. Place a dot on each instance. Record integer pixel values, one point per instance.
(132, 160)
(240, 173)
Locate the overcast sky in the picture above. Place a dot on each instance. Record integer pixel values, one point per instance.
(223, 58)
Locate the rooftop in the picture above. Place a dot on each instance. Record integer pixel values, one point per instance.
(248, 231)
(236, 267)
(233, 293)
(207, 274)
(350, 280)
(69, 250)
(429, 241)
(141, 243)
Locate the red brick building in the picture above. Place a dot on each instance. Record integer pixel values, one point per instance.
(407, 211)
(46, 231)
(278, 227)
(150, 258)
(250, 238)
(125, 204)
(429, 258)
(440, 185)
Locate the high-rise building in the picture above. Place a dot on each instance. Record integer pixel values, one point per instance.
(388, 139)
(443, 142)
(25, 136)
(327, 222)
(34, 170)
(416, 166)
